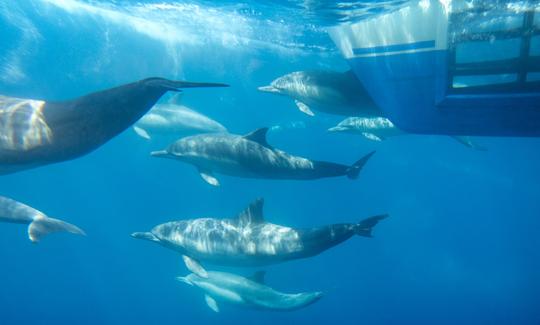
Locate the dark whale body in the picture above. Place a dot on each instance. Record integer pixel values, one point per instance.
(35, 132)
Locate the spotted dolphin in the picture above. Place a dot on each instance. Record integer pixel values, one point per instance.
(34, 133)
(39, 224)
(248, 292)
(248, 240)
(330, 92)
(251, 156)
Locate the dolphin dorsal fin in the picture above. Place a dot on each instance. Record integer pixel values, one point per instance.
(258, 277)
(253, 214)
(258, 136)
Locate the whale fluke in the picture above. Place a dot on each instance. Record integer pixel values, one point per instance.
(365, 227)
(354, 170)
(42, 226)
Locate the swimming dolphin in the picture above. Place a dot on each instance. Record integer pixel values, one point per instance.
(245, 292)
(380, 128)
(175, 119)
(251, 156)
(36, 132)
(330, 92)
(249, 292)
(39, 224)
(248, 240)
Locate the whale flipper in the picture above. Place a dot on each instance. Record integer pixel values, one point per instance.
(142, 132)
(365, 227)
(372, 136)
(208, 177)
(304, 108)
(211, 302)
(195, 266)
(42, 226)
(354, 170)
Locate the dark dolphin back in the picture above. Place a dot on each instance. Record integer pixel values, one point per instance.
(85, 123)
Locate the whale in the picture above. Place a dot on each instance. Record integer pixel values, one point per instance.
(250, 156)
(172, 118)
(331, 92)
(35, 133)
(39, 225)
(248, 240)
(247, 292)
(380, 128)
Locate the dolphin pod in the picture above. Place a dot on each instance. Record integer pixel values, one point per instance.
(39, 225)
(251, 156)
(249, 292)
(37, 132)
(248, 240)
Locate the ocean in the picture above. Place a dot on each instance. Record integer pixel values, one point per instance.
(460, 245)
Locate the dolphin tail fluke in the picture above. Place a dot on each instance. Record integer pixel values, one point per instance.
(365, 227)
(174, 85)
(145, 235)
(42, 226)
(354, 170)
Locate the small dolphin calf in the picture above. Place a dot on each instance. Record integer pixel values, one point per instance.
(248, 240)
(380, 128)
(251, 156)
(326, 91)
(39, 224)
(36, 132)
(242, 291)
(175, 119)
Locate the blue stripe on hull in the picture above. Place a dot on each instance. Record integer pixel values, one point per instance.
(394, 48)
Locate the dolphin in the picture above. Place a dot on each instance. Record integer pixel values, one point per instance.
(245, 292)
(39, 224)
(248, 240)
(251, 156)
(174, 119)
(34, 133)
(331, 92)
(381, 128)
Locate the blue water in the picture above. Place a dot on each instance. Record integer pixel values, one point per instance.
(460, 246)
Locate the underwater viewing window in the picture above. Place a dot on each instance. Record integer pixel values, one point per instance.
(490, 52)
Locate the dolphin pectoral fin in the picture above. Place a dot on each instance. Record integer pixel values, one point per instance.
(195, 267)
(211, 302)
(372, 136)
(42, 226)
(304, 108)
(208, 177)
(141, 132)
